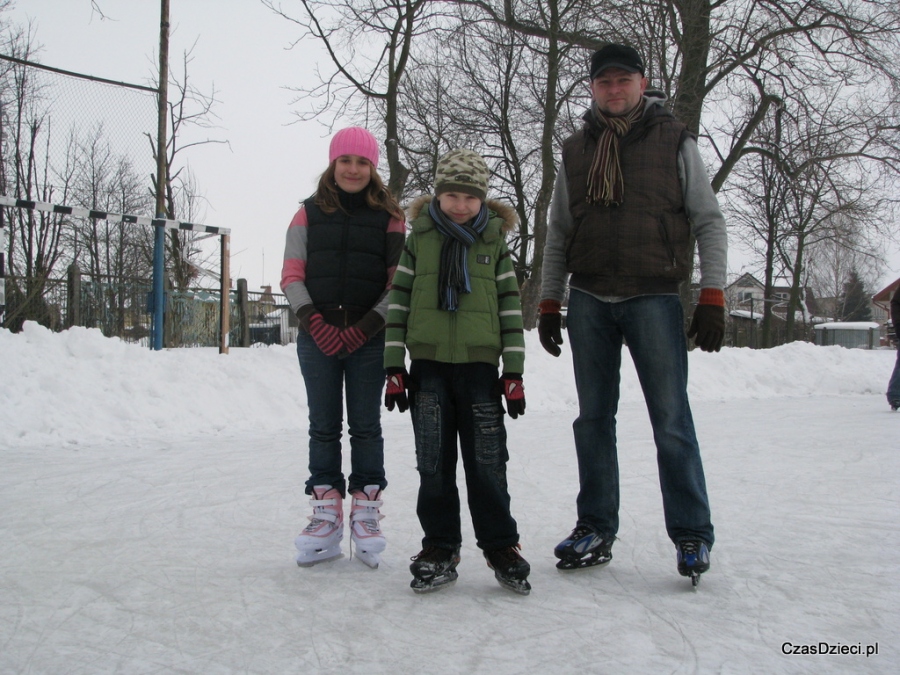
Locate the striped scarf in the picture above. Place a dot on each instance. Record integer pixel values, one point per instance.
(453, 278)
(605, 183)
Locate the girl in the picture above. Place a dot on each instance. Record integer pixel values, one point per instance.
(342, 249)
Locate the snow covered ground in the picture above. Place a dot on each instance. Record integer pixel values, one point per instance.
(149, 501)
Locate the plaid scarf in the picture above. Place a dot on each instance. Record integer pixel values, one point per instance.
(453, 278)
(605, 183)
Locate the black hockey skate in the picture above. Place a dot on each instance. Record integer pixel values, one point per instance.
(434, 568)
(510, 569)
(583, 548)
(895, 406)
(693, 559)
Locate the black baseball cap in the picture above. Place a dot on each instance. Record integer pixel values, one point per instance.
(616, 56)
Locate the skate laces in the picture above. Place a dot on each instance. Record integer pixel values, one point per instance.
(432, 554)
(506, 556)
(365, 512)
(689, 548)
(320, 513)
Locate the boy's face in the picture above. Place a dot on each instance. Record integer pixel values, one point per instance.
(459, 206)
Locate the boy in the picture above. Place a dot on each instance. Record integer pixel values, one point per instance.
(454, 304)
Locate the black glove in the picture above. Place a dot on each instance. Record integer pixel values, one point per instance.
(397, 384)
(550, 326)
(514, 393)
(708, 327)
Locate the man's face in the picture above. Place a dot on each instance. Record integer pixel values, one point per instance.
(616, 91)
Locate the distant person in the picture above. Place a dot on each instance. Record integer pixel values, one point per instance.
(455, 306)
(893, 392)
(631, 191)
(342, 249)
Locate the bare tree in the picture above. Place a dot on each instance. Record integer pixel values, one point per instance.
(812, 179)
(34, 238)
(190, 111)
(369, 44)
(481, 85)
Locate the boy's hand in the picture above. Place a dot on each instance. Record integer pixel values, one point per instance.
(514, 393)
(397, 384)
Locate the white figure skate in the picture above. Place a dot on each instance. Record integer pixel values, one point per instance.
(321, 539)
(365, 532)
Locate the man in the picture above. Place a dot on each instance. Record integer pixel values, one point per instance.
(893, 392)
(630, 192)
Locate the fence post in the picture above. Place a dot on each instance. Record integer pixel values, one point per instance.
(244, 312)
(225, 293)
(73, 296)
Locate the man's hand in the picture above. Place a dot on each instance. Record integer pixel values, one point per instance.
(550, 326)
(708, 324)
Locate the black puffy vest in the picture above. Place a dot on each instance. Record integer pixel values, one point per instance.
(345, 265)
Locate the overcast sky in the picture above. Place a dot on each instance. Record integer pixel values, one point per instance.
(254, 185)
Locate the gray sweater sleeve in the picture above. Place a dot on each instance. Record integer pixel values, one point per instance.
(707, 221)
(553, 271)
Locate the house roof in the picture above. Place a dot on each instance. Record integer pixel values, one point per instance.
(883, 297)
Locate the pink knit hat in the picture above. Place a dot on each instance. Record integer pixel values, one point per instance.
(354, 141)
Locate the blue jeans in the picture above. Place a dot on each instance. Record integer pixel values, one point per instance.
(461, 400)
(653, 328)
(893, 392)
(325, 376)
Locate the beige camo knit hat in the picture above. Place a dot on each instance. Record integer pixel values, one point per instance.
(463, 171)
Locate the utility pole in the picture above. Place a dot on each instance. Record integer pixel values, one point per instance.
(159, 239)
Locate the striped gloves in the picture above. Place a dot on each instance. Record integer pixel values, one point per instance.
(326, 336)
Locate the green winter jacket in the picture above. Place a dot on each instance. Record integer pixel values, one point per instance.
(488, 323)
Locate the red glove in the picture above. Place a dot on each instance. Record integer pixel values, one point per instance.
(397, 384)
(708, 323)
(353, 338)
(514, 393)
(326, 336)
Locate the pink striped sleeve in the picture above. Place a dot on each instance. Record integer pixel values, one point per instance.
(293, 270)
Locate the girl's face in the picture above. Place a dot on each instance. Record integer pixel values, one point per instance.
(352, 173)
(459, 206)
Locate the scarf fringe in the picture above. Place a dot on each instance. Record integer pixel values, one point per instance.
(605, 182)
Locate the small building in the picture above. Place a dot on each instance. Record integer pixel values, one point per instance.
(850, 334)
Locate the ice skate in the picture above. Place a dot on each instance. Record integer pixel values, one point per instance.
(510, 568)
(434, 568)
(321, 539)
(693, 559)
(365, 532)
(895, 406)
(583, 548)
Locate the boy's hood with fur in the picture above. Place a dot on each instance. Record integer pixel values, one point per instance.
(502, 209)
